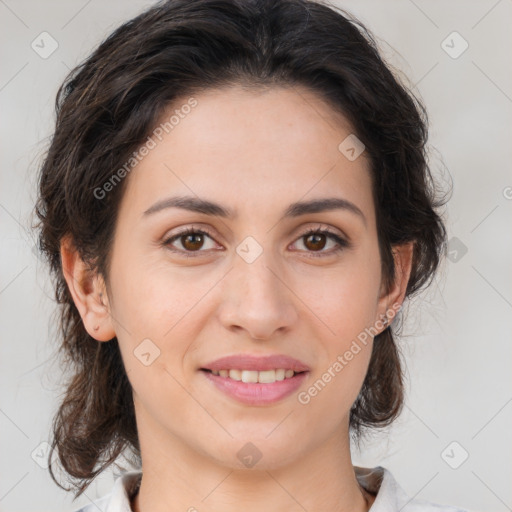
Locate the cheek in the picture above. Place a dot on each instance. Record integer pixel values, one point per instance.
(154, 312)
(343, 298)
(151, 299)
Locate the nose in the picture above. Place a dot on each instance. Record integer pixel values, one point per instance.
(257, 299)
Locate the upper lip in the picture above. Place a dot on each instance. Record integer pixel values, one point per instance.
(256, 363)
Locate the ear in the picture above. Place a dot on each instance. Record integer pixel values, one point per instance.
(391, 301)
(88, 291)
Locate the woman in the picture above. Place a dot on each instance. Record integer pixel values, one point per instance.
(235, 205)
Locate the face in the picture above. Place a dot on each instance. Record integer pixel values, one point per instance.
(252, 284)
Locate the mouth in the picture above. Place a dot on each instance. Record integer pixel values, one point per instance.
(256, 380)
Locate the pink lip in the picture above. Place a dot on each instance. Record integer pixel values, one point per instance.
(256, 393)
(257, 363)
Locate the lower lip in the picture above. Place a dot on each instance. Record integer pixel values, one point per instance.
(255, 393)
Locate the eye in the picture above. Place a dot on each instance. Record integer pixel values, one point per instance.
(316, 239)
(192, 240)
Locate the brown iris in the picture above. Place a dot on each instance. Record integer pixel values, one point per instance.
(318, 241)
(192, 241)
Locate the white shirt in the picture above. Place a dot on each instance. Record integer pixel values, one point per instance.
(390, 497)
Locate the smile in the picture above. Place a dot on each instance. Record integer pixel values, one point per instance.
(263, 376)
(245, 386)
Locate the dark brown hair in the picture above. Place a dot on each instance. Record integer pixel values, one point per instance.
(107, 107)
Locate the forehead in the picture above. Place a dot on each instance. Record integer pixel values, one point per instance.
(253, 151)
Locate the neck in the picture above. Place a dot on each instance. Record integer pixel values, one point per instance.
(177, 479)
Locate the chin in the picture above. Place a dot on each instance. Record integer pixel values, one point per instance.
(257, 452)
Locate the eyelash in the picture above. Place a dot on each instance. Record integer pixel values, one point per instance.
(342, 243)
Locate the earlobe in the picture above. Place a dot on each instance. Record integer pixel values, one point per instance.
(88, 291)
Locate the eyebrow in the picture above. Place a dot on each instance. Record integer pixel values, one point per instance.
(197, 205)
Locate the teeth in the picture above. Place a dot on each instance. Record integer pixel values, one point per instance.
(235, 374)
(248, 376)
(264, 377)
(267, 376)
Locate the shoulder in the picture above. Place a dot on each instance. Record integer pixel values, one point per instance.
(391, 497)
(118, 499)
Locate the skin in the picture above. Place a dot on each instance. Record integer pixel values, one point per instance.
(254, 152)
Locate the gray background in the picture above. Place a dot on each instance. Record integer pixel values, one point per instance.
(457, 343)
